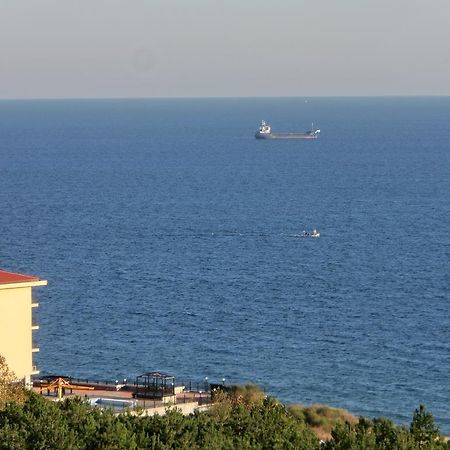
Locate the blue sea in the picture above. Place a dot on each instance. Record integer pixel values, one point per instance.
(171, 240)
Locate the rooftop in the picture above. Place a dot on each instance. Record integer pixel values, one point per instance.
(11, 278)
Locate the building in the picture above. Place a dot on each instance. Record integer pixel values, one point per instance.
(16, 323)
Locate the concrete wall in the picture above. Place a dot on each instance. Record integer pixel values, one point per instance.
(184, 408)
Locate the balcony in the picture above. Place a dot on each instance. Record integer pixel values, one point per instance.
(34, 318)
(34, 370)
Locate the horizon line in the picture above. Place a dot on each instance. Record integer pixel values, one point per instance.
(223, 97)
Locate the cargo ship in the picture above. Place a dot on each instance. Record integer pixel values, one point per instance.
(265, 132)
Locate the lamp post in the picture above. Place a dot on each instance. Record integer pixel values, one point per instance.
(206, 384)
(223, 381)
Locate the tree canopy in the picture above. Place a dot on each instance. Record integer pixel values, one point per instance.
(242, 419)
(10, 390)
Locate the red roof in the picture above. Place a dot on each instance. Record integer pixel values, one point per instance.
(11, 277)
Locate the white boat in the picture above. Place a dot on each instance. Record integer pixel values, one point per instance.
(314, 233)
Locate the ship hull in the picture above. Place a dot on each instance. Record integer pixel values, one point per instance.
(291, 136)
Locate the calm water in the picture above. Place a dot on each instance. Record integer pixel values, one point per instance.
(169, 237)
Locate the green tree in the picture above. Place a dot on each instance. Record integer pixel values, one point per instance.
(10, 389)
(244, 421)
(423, 429)
(388, 436)
(343, 437)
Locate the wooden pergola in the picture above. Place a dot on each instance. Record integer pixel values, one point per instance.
(59, 385)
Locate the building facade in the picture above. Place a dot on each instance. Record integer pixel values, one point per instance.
(16, 323)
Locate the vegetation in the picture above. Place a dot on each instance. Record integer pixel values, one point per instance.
(243, 418)
(10, 390)
(322, 419)
(72, 424)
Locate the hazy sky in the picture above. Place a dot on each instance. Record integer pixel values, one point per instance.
(170, 48)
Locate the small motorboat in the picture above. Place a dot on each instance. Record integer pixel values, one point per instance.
(314, 233)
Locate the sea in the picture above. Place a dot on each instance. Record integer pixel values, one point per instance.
(172, 240)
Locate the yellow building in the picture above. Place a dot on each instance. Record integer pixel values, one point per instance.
(16, 323)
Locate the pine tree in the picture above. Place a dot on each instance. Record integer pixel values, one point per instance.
(423, 429)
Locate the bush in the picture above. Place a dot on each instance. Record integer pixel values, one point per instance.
(10, 390)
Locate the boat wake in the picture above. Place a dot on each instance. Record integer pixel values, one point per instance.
(237, 234)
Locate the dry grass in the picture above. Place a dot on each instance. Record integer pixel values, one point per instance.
(321, 418)
(248, 394)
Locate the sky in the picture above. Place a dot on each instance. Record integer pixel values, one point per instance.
(230, 48)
